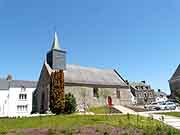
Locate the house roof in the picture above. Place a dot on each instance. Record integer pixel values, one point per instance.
(176, 73)
(78, 75)
(158, 94)
(23, 83)
(4, 84)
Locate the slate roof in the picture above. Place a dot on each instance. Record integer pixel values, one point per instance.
(176, 73)
(75, 74)
(5, 84)
(22, 83)
(158, 94)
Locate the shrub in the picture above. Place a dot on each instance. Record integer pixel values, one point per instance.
(70, 103)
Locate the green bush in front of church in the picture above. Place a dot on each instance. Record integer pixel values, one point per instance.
(70, 103)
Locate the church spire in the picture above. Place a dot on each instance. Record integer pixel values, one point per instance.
(55, 42)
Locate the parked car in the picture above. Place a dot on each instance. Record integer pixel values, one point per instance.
(153, 106)
(168, 105)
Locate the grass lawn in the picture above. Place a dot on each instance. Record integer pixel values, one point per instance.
(143, 126)
(99, 110)
(102, 110)
(176, 114)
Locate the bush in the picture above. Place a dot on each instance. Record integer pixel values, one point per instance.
(70, 103)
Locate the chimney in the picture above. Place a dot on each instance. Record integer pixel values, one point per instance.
(9, 77)
(143, 82)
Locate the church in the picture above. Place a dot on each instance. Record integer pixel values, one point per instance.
(174, 83)
(85, 83)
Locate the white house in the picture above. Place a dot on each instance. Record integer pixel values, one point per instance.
(16, 97)
(160, 96)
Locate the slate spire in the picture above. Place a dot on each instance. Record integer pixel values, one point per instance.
(55, 42)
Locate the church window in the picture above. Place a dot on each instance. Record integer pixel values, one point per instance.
(95, 92)
(118, 94)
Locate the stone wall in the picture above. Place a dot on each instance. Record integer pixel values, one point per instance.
(42, 93)
(85, 95)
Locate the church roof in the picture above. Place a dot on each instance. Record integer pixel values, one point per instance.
(78, 75)
(176, 73)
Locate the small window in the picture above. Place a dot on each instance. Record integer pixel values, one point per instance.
(95, 92)
(118, 94)
(22, 108)
(22, 96)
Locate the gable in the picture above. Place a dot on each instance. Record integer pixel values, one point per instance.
(176, 73)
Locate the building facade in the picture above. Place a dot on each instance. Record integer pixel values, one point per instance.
(85, 83)
(174, 83)
(142, 92)
(16, 97)
(160, 96)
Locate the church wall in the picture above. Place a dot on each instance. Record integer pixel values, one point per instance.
(90, 100)
(175, 87)
(42, 94)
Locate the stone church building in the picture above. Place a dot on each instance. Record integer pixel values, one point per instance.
(174, 83)
(85, 83)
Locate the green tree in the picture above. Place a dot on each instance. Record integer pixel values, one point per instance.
(70, 103)
(178, 99)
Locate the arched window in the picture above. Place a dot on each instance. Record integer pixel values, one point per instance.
(118, 94)
(95, 92)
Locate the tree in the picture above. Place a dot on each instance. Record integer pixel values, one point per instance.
(70, 103)
(177, 99)
(57, 98)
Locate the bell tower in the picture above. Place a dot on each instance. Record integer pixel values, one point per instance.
(56, 57)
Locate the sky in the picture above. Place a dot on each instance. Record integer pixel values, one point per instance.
(139, 38)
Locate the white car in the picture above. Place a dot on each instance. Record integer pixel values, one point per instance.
(153, 106)
(167, 105)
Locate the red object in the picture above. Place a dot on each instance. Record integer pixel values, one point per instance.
(109, 101)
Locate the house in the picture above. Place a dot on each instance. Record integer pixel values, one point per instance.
(142, 92)
(174, 83)
(77, 80)
(16, 97)
(160, 96)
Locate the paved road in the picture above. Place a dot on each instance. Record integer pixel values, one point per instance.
(169, 120)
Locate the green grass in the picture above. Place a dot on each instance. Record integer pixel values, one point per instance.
(99, 110)
(176, 114)
(149, 126)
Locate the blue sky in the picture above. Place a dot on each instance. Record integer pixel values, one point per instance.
(141, 39)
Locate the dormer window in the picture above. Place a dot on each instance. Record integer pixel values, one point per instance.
(23, 89)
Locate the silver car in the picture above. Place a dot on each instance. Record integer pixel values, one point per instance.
(153, 106)
(167, 105)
